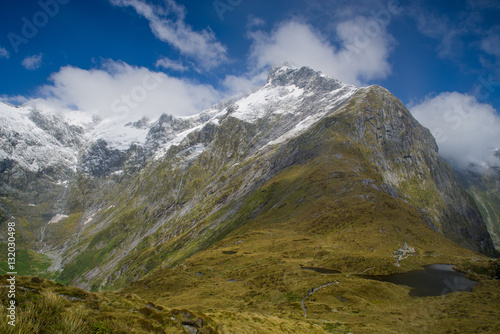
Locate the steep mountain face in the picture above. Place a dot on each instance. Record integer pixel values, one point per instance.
(483, 185)
(305, 154)
(38, 155)
(405, 154)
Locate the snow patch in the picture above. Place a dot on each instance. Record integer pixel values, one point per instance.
(32, 148)
(259, 104)
(345, 93)
(78, 118)
(57, 218)
(176, 141)
(117, 135)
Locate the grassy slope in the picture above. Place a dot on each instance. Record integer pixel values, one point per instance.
(47, 307)
(313, 215)
(28, 262)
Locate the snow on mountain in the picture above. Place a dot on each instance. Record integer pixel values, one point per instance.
(245, 144)
(118, 134)
(37, 136)
(24, 141)
(256, 105)
(294, 98)
(176, 139)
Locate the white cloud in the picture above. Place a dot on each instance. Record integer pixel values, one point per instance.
(121, 90)
(167, 23)
(32, 62)
(363, 54)
(167, 63)
(466, 130)
(4, 53)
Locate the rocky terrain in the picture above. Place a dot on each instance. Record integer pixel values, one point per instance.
(220, 210)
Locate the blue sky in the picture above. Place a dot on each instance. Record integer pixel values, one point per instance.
(441, 58)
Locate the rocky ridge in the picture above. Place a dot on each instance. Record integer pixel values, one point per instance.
(177, 185)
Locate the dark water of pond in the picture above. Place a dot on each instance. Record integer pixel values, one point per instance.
(435, 280)
(321, 270)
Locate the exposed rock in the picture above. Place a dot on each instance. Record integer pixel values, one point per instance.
(180, 184)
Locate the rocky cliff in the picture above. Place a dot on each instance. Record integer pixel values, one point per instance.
(305, 152)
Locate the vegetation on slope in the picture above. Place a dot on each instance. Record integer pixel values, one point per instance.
(47, 307)
(353, 163)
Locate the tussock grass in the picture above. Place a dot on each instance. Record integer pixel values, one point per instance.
(47, 307)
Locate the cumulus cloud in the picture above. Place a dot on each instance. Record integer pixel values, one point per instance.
(466, 130)
(167, 63)
(32, 62)
(168, 24)
(4, 53)
(363, 54)
(120, 90)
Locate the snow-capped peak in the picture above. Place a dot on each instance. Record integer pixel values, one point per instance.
(292, 100)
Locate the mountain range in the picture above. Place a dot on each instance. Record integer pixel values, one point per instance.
(305, 172)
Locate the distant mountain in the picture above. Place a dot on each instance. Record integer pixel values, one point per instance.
(111, 201)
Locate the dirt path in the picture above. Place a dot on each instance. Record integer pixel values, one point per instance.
(309, 293)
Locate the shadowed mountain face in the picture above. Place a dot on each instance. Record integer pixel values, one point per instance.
(405, 155)
(484, 186)
(306, 155)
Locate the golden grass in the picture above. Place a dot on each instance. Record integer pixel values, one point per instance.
(263, 277)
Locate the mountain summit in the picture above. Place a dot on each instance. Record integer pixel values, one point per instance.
(305, 155)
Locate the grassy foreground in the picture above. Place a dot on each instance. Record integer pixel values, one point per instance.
(232, 296)
(261, 272)
(48, 307)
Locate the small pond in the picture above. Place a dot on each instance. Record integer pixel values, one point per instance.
(435, 280)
